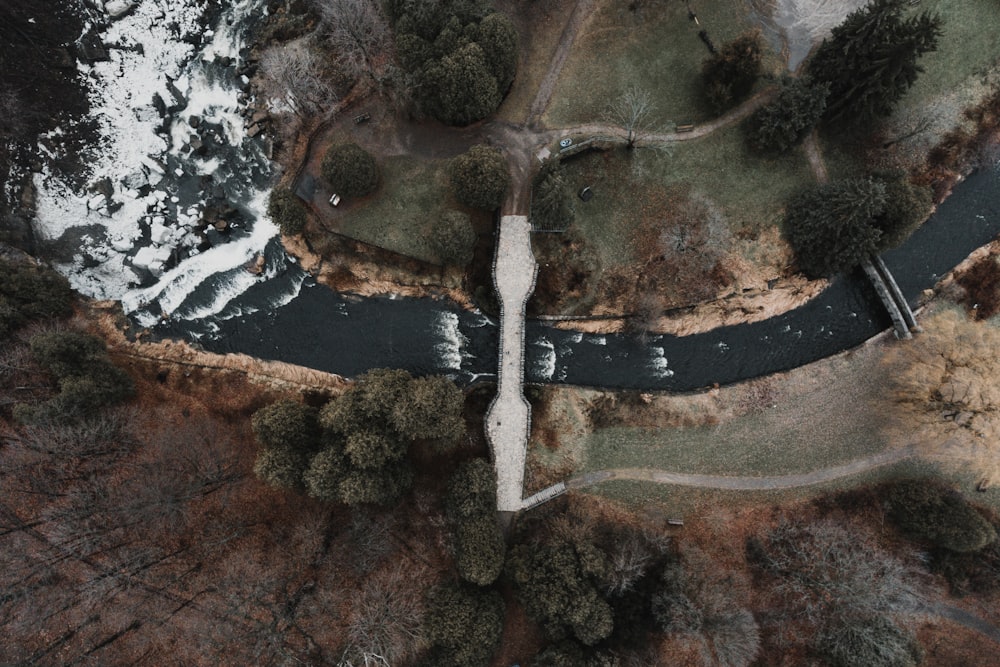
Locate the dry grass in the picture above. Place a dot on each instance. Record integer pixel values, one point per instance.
(824, 414)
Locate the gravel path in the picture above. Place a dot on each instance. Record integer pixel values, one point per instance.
(744, 483)
(508, 420)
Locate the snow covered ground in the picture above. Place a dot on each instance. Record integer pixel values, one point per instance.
(172, 155)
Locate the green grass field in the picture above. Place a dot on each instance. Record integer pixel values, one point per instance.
(656, 49)
(750, 191)
(970, 42)
(398, 217)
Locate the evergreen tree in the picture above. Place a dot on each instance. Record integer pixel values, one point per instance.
(787, 121)
(832, 226)
(870, 60)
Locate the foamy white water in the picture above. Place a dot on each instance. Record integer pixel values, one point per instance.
(658, 363)
(546, 363)
(139, 209)
(451, 345)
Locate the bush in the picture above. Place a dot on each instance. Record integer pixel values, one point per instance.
(928, 511)
(788, 120)
(730, 74)
(472, 490)
(832, 226)
(350, 170)
(453, 238)
(871, 641)
(287, 425)
(479, 550)
(87, 379)
(479, 177)
(464, 624)
(30, 292)
(287, 211)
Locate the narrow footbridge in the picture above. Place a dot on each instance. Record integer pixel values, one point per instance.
(903, 320)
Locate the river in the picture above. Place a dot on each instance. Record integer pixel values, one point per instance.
(140, 244)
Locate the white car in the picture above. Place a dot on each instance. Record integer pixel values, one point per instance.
(334, 200)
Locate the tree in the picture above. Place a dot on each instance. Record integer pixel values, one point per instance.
(498, 39)
(730, 74)
(785, 123)
(359, 35)
(464, 625)
(292, 73)
(945, 394)
(869, 641)
(281, 467)
(350, 170)
(822, 569)
(372, 449)
(460, 57)
(287, 425)
(430, 409)
(690, 601)
(87, 379)
(30, 291)
(459, 88)
(832, 226)
(632, 113)
(285, 209)
(906, 206)
(453, 238)
(551, 199)
(571, 654)
(553, 584)
(479, 177)
(479, 549)
(927, 510)
(870, 60)
(325, 472)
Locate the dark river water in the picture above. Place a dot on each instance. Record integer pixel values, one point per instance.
(336, 333)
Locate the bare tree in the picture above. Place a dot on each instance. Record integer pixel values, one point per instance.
(293, 78)
(632, 113)
(358, 32)
(386, 617)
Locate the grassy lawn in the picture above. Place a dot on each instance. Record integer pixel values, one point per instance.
(970, 42)
(398, 216)
(750, 191)
(655, 48)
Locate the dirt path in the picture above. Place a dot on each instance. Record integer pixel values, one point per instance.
(964, 618)
(728, 483)
(548, 85)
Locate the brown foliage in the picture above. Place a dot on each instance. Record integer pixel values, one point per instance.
(981, 282)
(946, 392)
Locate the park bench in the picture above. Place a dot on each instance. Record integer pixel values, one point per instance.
(361, 118)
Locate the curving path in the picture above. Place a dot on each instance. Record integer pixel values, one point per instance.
(728, 483)
(962, 617)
